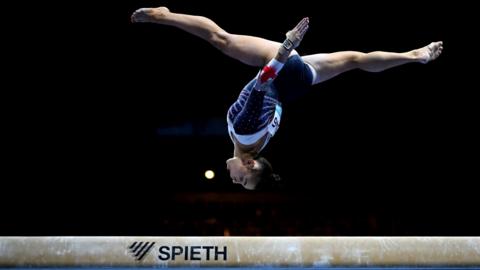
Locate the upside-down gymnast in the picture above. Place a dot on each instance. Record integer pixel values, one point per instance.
(254, 118)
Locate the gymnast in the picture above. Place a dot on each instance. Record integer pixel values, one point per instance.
(254, 118)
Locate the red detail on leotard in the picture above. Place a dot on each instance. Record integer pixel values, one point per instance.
(267, 73)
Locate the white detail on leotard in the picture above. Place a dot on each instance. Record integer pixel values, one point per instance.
(250, 139)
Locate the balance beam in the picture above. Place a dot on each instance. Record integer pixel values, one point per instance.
(321, 252)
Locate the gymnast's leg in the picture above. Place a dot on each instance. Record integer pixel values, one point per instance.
(330, 65)
(250, 50)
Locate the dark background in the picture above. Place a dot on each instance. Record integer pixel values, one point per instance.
(111, 125)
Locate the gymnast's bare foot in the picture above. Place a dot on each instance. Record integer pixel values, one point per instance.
(429, 52)
(153, 15)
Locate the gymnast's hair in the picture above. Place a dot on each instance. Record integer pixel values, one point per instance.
(268, 179)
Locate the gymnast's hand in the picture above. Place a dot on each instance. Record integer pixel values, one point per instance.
(295, 36)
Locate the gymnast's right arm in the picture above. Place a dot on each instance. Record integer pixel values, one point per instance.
(248, 118)
(271, 70)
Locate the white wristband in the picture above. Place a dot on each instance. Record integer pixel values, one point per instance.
(276, 65)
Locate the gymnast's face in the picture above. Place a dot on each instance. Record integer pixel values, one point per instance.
(242, 172)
